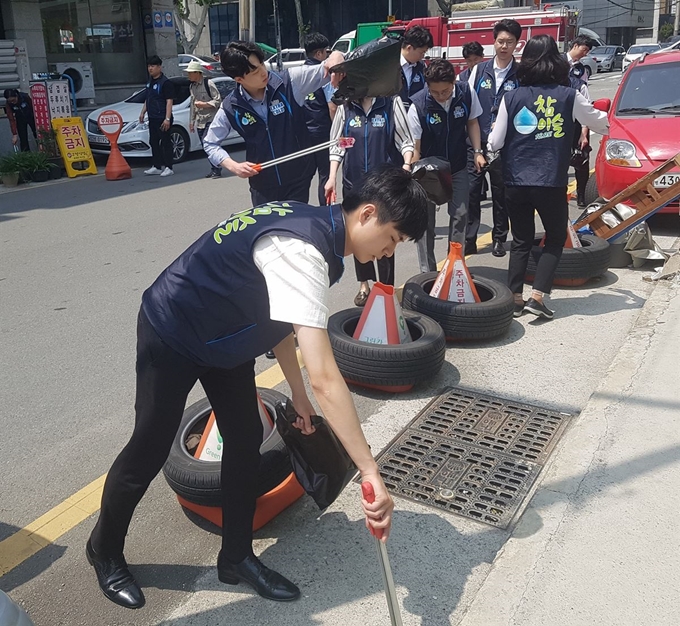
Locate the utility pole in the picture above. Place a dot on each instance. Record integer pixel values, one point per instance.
(244, 20)
(277, 30)
(676, 25)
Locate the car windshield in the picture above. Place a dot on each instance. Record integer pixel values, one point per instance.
(652, 88)
(225, 87)
(138, 97)
(641, 49)
(602, 50)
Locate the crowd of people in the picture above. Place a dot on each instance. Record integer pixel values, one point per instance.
(259, 280)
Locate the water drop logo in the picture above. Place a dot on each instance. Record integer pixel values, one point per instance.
(525, 122)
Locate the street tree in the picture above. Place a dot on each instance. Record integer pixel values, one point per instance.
(189, 28)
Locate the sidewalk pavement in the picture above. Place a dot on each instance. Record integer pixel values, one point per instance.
(597, 544)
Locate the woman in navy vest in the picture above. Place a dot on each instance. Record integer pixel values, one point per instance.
(534, 130)
(381, 135)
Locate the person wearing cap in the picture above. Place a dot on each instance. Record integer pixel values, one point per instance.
(205, 102)
(158, 107)
(19, 110)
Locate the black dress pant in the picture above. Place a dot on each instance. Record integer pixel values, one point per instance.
(500, 213)
(298, 191)
(161, 145)
(164, 380)
(22, 131)
(551, 205)
(366, 271)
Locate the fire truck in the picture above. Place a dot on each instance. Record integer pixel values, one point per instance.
(450, 34)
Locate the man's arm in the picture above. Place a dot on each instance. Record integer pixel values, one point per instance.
(305, 79)
(337, 406)
(496, 139)
(475, 136)
(168, 114)
(212, 144)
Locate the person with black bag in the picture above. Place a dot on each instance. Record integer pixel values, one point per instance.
(534, 131)
(243, 288)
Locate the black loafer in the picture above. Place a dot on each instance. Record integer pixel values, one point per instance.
(115, 579)
(498, 249)
(470, 248)
(538, 308)
(268, 583)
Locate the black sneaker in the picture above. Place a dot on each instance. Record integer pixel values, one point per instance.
(538, 308)
(215, 174)
(519, 309)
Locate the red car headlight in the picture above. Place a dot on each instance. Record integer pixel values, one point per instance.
(622, 153)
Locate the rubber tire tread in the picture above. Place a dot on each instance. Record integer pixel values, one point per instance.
(463, 321)
(200, 481)
(388, 365)
(590, 193)
(591, 260)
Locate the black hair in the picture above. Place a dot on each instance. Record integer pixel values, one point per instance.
(235, 58)
(154, 59)
(440, 71)
(397, 196)
(315, 41)
(508, 26)
(417, 37)
(542, 63)
(583, 40)
(11, 93)
(473, 48)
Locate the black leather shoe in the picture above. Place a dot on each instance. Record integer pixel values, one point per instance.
(498, 249)
(268, 583)
(270, 354)
(470, 247)
(115, 579)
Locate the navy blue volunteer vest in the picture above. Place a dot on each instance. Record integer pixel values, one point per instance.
(373, 136)
(576, 70)
(211, 304)
(23, 109)
(417, 83)
(538, 140)
(485, 86)
(464, 76)
(155, 101)
(282, 133)
(317, 116)
(445, 134)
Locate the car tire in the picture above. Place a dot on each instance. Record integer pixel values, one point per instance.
(391, 367)
(588, 72)
(181, 144)
(199, 481)
(577, 265)
(590, 193)
(463, 321)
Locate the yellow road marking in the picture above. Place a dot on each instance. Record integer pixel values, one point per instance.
(26, 542)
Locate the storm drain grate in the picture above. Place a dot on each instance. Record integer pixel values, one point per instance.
(473, 455)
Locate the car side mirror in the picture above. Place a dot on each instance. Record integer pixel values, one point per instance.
(603, 104)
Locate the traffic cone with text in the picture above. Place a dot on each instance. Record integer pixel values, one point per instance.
(454, 282)
(382, 320)
(572, 240)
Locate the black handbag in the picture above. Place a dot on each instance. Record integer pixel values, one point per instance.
(321, 464)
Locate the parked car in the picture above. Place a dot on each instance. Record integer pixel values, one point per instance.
(290, 57)
(134, 138)
(210, 65)
(674, 45)
(590, 65)
(608, 58)
(644, 126)
(635, 52)
(674, 39)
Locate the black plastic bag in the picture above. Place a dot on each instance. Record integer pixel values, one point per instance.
(434, 174)
(321, 464)
(371, 70)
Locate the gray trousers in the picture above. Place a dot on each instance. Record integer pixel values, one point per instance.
(458, 215)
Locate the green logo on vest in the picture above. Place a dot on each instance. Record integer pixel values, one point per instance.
(241, 220)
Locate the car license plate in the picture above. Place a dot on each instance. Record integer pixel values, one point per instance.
(98, 139)
(667, 180)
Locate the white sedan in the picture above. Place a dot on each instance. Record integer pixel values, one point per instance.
(134, 138)
(636, 51)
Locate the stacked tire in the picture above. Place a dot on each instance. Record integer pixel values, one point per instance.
(472, 321)
(387, 367)
(199, 481)
(577, 265)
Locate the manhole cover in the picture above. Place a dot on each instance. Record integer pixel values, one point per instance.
(473, 455)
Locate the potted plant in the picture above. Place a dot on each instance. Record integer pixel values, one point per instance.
(9, 171)
(47, 144)
(24, 165)
(39, 166)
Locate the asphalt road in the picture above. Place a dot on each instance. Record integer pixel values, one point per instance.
(75, 257)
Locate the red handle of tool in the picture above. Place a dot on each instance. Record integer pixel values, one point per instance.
(257, 167)
(369, 496)
(330, 199)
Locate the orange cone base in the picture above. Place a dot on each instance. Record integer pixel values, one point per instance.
(267, 508)
(563, 282)
(118, 175)
(395, 389)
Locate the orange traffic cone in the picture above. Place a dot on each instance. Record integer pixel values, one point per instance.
(382, 320)
(454, 282)
(572, 238)
(117, 168)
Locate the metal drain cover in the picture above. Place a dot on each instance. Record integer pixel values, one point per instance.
(471, 454)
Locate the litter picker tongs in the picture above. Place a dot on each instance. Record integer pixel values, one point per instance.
(342, 142)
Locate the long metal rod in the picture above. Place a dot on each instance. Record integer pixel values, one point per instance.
(296, 155)
(388, 580)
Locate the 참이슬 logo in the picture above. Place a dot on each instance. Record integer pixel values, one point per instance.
(525, 122)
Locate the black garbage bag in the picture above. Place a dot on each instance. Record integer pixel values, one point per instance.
(321, 464)
(371, 70)
(434, 174)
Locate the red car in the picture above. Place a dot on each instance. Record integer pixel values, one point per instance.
(644, 128)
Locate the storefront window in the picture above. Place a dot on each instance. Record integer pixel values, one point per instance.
(223, 25)
(107, 34)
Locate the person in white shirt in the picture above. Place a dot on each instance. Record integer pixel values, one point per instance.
(416, 42)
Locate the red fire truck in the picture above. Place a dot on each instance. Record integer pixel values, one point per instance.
(451, 33)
